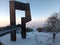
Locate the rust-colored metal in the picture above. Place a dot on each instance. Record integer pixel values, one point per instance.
(15, 5)
(12, 20)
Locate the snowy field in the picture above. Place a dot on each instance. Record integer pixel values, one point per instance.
(33, 38)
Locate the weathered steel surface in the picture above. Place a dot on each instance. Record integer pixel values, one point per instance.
(12, 20)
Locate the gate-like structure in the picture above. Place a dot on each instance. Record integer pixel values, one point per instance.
(15, 5)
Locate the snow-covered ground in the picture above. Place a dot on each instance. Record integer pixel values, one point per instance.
(33, 38)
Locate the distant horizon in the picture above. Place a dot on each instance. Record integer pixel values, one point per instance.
(29, 24)
(40, 11)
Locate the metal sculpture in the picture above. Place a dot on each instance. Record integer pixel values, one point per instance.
(15, 5)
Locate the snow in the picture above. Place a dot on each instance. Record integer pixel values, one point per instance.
(33, 38)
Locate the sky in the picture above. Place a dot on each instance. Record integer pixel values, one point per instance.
(40, 11)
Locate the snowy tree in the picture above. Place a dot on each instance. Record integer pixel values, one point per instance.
(53, 23)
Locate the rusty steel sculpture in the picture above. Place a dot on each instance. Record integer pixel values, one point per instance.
(15, 5)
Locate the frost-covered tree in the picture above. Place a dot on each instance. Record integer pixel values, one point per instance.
(53, 23)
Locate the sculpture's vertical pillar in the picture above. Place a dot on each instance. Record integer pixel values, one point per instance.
(28, 13)
(23, 28)
(12, 20)
(24, 20)
(28, 16)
